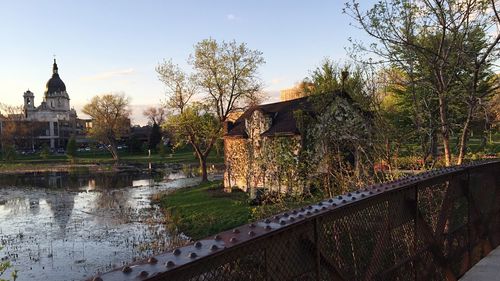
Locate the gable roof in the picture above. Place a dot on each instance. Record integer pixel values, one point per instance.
(282, 114)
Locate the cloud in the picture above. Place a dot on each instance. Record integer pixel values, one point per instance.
(231, 17)
(109, 74)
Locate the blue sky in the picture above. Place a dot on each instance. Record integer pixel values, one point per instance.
(114, 46)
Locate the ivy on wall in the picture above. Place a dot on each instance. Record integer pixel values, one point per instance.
(331, 151)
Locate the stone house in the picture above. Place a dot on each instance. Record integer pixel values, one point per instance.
(262, 146)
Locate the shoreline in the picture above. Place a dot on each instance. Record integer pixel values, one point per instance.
(98, 167)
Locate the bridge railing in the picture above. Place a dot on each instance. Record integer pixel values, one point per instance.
(432, 226)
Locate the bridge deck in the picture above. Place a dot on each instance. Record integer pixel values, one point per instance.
(486, 269)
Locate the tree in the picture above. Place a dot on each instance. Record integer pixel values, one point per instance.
(197, 126)
(180, 86)
(433, 43)
(338, 138)
(493, 112)
(71, 149)
(477, 79)
(225, 76)
(227, 72)
(409, 111)
(110, 119)
(154, 136)
(155, 115)
(15, 130)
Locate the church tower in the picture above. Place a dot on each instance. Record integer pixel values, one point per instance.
(56, 97)
(29, 102)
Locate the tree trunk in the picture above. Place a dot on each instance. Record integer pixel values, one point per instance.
(445, 131)
(203, 168)
(388, 153)
(434, 145)
(114, 152)
(465, 134)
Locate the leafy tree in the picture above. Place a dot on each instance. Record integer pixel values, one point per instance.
(409, 111)
(434, 43)
(180, 86)
(71, 149)
(110, 119)
(225, 77)
(197, 126)
(227, 73)
(493, 112)
(337, 137)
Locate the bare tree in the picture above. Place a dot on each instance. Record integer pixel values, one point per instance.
(180, 86)
(155, 115)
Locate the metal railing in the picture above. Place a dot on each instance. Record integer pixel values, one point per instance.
(431, 226)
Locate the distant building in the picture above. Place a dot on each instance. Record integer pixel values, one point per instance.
(53, 122)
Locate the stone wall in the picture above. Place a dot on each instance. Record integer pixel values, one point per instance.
(262, 162)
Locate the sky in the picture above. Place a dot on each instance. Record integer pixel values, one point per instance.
(114, 46)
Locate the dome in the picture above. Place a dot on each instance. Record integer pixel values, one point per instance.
(55, 84)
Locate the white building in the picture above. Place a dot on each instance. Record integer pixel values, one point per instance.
(59, 121)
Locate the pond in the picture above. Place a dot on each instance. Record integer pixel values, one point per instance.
(71, 225)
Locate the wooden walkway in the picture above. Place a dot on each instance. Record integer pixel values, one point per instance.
(486, 269)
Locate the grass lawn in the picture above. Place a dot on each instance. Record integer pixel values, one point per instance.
(206, 209)
(102, 157)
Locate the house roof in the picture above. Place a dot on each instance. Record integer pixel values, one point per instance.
(282, 114)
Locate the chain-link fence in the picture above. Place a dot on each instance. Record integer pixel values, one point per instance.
(432, 226)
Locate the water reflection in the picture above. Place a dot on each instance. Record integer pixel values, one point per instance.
(68, 226)
(58, 180)
(61, 205)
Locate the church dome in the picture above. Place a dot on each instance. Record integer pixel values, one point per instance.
(55, 84)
